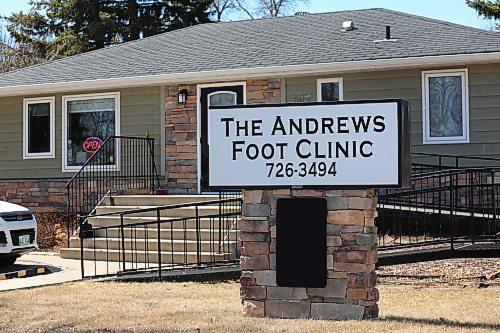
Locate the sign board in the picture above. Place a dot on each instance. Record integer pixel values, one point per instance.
(91, 144)
(314, 145)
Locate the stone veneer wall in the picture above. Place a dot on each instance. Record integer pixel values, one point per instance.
(46, 195)
(351, 257)
(181, 126)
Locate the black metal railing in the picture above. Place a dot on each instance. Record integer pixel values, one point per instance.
(230, 195)
(426, 162)
(450, 206)
(120, 165)
(155, 239)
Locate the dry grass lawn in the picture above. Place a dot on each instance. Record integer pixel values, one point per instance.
(191, 307)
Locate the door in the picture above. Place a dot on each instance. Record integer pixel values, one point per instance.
(213, 96)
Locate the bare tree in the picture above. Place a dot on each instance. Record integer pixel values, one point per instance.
(274, 8)
(7, 52)
(252, 9)
(221, 7)
(231, 9)
(245, 8)
(17, 55)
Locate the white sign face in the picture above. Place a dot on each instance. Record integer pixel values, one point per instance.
(320, 145)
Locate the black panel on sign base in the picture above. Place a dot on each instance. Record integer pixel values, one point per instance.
(301, 242)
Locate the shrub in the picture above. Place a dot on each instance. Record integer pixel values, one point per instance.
(53, 230)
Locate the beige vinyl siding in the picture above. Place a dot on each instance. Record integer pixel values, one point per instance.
(484, 103)
(140, 111)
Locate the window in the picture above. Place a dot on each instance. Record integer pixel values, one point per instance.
(330, 90)
(38, 128)
(446, 106)
(222, 98)
(89, 118)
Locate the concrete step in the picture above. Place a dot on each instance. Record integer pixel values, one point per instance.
(178, 234)
(156, 200)
(176, 212)
(152, 245)
(107, 221)
(142, 256)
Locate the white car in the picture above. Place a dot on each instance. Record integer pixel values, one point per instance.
(17, 232)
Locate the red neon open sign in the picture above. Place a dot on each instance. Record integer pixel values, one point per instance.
(91, 144)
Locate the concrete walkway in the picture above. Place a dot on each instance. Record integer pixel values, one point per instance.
(64, 270)
(67, 270)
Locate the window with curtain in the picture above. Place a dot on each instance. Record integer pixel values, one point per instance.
(446, 113)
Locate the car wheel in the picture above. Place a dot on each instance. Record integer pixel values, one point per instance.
(8, 261)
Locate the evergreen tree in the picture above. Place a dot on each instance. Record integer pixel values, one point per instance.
(57, 28)
(487, 8)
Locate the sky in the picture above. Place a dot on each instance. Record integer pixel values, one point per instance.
(449, 10)
(455, 11)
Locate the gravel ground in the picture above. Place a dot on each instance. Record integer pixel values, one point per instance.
(474, 273)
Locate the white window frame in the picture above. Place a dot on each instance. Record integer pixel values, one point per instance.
(222, 92)
(69, 98)
(426, 131)
(51, 153)
(338, 80)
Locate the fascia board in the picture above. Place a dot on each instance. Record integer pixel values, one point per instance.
(250, 73)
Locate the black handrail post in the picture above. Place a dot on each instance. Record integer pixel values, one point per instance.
(82, 237)
(158, 231)
(452, 215)
(220, 227)
(123, 241)
(198, 253)
(69, 214)
(152, 166)
(151, 145)
(471, 203)
(493, 202)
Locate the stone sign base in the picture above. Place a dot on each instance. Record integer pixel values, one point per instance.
(351, 256)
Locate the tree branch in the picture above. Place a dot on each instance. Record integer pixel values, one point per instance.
(20, 55)
(243, 8)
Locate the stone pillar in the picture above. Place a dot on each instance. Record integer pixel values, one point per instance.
(180, 130)
(351, 256)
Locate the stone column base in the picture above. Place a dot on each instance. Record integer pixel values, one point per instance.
(351, 256)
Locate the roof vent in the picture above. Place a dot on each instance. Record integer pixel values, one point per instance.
(348, 26)
(388, 37)
(301, 13)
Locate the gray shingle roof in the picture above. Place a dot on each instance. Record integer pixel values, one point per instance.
(295, 40)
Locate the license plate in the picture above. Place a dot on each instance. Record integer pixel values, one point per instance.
(24, 240)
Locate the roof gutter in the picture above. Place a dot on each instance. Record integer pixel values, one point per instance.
(257, 72)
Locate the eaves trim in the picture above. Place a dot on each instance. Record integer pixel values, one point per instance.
(250, 73)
